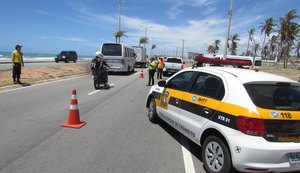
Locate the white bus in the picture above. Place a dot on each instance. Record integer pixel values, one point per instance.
(119, 57)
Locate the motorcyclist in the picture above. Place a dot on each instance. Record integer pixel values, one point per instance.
(99, 65)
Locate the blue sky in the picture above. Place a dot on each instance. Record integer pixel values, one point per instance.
(50, 26)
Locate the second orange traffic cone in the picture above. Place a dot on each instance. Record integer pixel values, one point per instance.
(74, 118)
(142, 74)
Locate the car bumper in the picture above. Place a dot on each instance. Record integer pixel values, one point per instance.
(255, 154)
(170, 71)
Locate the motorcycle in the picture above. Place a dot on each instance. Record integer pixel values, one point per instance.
(100, 78)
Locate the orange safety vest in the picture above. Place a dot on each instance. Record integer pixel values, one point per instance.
(161, 64)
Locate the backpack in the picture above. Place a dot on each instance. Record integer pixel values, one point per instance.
(93, 65)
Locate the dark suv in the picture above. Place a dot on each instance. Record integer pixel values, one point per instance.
(67, 56)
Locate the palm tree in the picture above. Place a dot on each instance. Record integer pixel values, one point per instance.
(267, 28)
(289, 31)
(143, 40)
(250, 38)
(265, 51)
(216, 45)
(153, 46)
(118, 35)
(233, 46)
(297, 51)
(211, 49)
(256, 49)
(273, 43)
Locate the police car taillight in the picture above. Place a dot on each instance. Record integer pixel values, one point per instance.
(251, 126)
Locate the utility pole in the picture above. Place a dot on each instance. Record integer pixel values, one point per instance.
(182, 47)
(228, 29)
(120, 3)
(146, 28)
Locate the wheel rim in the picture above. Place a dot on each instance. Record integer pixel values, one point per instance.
(151, 109)
(214, 156)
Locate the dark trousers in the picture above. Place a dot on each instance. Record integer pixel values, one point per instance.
(16, 71)
(159, 73)
(103, 75)
(151, 77)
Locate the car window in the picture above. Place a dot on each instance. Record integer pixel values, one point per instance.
(64, 53)
(209, 85)
(180, 81)
(112, 49)
(174, 60)
(278, 97)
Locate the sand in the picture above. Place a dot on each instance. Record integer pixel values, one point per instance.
(35, 75)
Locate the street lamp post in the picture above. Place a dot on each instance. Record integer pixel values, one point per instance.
(146, 28)
(182, 47)
(228, 29)
(120, 3)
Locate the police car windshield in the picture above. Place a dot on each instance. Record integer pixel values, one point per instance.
(277, 97)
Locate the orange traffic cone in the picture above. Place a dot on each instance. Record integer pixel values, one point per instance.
(74, 119)
(142, 74)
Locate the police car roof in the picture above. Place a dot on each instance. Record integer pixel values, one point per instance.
(246, 75)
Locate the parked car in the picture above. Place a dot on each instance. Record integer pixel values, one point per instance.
(172, 66)
(66, 56)
(243, 119)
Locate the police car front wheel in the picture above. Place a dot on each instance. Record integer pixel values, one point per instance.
(152, 114)
(215, 155)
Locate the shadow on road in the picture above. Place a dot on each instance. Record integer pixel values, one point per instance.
(190, 145)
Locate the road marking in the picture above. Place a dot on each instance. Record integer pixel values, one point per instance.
(91, 93)
(187, 157)
(40, 84)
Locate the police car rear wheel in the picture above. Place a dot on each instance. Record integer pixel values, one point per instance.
(152, 114)
(215, 155)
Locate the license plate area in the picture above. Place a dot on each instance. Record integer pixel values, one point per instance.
(294, 159)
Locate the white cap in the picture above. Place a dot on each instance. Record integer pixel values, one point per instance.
(99, 54)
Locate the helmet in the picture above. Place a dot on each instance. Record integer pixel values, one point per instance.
(99, 54)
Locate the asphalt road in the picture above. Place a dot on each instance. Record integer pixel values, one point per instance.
(117, 137)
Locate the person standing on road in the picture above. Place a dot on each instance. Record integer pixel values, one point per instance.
(151, 68)
(18, 63)
(160, 67)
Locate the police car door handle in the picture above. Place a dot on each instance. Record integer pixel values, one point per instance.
(207, 111)
(177, 101)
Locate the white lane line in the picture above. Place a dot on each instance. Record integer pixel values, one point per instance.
(40, 84)
(187, 157)
(93, 92)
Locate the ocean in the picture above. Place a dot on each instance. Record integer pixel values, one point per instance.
(36, 56)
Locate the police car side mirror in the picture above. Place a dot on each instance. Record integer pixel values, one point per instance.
(162, 84)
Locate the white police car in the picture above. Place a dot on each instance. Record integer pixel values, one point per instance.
(243, 119)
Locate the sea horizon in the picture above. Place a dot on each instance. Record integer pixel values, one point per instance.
(7, 55)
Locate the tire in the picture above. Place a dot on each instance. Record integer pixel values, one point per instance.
(152, 114)
(96, 85)
(216, 156)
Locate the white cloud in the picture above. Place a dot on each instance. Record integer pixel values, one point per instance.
(175, 8)
(73, 39)
(196, 33)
